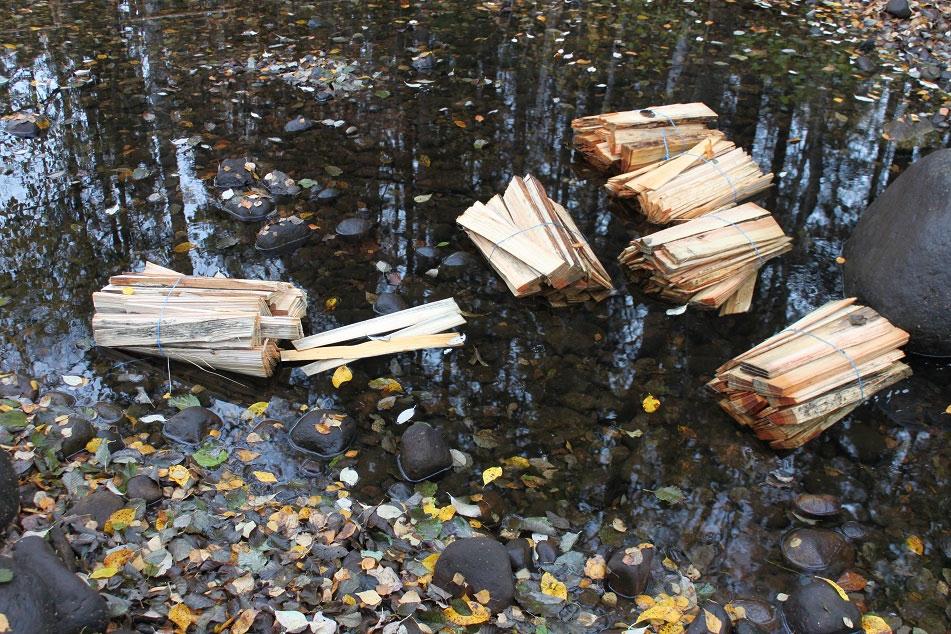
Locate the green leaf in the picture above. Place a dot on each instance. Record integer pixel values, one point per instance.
(4, 300)
(442, 244)
(182, 401)
(306, 183)
(14, 419)
(333, 170)
(670, 494)
(479, 144)
(6, 575)
(210, 457)
(422, 198)
(382, 94)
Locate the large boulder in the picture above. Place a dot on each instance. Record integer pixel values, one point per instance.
(470, 565)
(9, 491)
(897, 257)
(28, 610)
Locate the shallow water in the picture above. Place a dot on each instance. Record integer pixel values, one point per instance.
(172, 89)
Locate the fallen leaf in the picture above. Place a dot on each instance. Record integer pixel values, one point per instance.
(179, 475)
(349, 476)
(255, 409)
(422, 198)
(246, 455)
(595, 567)
(341, 376)
(650, 404)
(873, 624)
(72, 381)
(478, 614)
(370, 597)
(713, 623)
(104, 572)
(291, 620)
(265, 476)
(181, 616)
(915, 545)
(405, 415)
(669, 494)
(244, 621)
(553, 588)
(4, 623)
(183, 247)
(660, 612)
(837, 588)
(119, 520)
(490, 474)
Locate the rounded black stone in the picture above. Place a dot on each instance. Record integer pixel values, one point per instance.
(324, 195)
(353, 227)
(817, 550)
(387, 303)
(113, 439)
(98, 506)
(191, 425)
(298, 124)
(248, 207)
(817, 608)
(758, 613)
(17, 386)
(9, 491)
(424, 452)
(231, 174)
(25, 602)
(520, 554)
(280, 185)
(483, 564)
(283, 236)
(143, 487)
(712, 619)
(546, 551)
(817, 505)
(629, 569)
(108, 413)
(74, 434)
(323, 432)
(899, 9)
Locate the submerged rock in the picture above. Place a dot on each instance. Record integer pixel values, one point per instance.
(191, 425)
(298, 124)
(817, 550)
(280, 185)
(74, 434)
(546, 552)
(424, 452)
(629, 569)
(896, 258)
(77, 607)
(9, 491)
(250, 206)
(233, 174)
(483, 564)
(387, 303)
(458, 264)
(712, 619)
(520, 554)
(28, 609)
(817, 608)
(817, 505)
(143, 487)
(756, 612)
(98, 506)
(283, 236)
(25, 125)
(323, 194)
(353, 227)
(324, 432)
(17, 386)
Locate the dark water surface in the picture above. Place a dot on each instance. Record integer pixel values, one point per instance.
(146, 97)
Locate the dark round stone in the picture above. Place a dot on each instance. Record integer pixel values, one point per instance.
(98, 506)
(191, 425)
(25, 125)
(712, 619)
(483, 564)
(424, 452)
(817, 505)
(74, 434)
(9, 491)
(758, 612)
(323, 432)
(817, 550)
(899, 9)
(896, 258)
(283, 236)
(25, 601)
(280, 185)
(458, 264)
(17, 386)
(78, 608)
(546, 551)
(520, 554)
(232, 174)
(747, 627)
(108, 413)
(855, 531)
(817, 608)
(629, 569)
(143, 487)
(250, 206)
(324, 195)
(427, 256)
(387, 303)
(298, 124)
(353, 227)
(60, 399)
(113, 439)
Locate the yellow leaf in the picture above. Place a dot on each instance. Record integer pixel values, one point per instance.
(517, 462)
(244, 621)
(93, 445)
(460, 123)
(179, 475)
(257, 409)
(483, 596)
(875, 625)
(915, 544)
(341, 376)
(330, 304)
(650, 404)
(671, 628)
(666, 613)
(183, 247)
(480, 614)
(837, 587)
(118, 558)
(429, 563)
(246, 455)
(711, 621)
(181, 616)
(446, 513)
(595, 567)
(128, 290)
(490, 474)
(554, 588)
(119, 520)
(4, 623)
(265, 476)
(104, 572)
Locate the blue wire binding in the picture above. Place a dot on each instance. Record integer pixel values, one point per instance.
(858, 374)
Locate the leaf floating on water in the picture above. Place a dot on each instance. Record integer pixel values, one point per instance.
(679, 310)
(341, 376)
(650, 404)
(491, 474)
(183, 247)
(554, 588)
(265, 476)
(349, 476)
(210, 457)
(385, 384)
(479, 143)
(422, 198)
(405, 415)
(255, 409)
(915, 545)
(837, 588)
(179, 475)
(72, 381)
(333, 170)
(660, 612)
(669, 494)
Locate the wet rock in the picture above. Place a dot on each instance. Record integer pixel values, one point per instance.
(74, 434)
(855, 531)
(113, 440)
(298, 124)
(353, 227)
(863, 442)
(97, 506)
(427, 256)
(387, 303)
(712, 619)
(77, 607)
(483, 564)
(143, 487)
(896, 256)
(323, 195)
(458, 264)
(191, 425)
(865, 64)
(424, 452)
(108, 413)
(25, 125)
(817, 550)
(629, 569)
(28, 609)
(758, 613)
(17, 386)
(283, 236)
(250, 206)
(520, 554)
(817, 505)
(817, 608)
(9, 491)
(280, 185)
(232, 174)
(898, 8)
(324, 432)
(546, 552)
(744, 626)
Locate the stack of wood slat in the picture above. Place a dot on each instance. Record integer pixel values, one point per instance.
(711, 261)
(802, 380)
(708, 176)
(211, 322)
(535, 246)
(636, 138)
(415, 328)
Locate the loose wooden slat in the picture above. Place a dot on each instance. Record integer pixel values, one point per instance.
(375, 348)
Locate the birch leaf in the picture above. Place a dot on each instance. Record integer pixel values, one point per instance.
(341, 376)
(181, 616)
(650, 404)
(554, 588)
(491, 474)
(265, 476)
(405, 415)
(291, 620)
